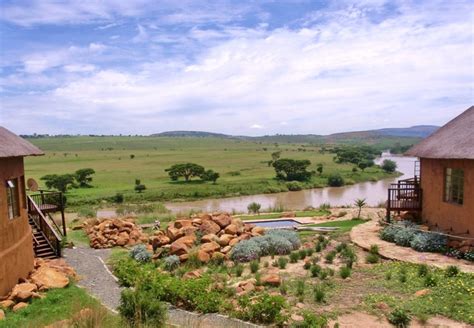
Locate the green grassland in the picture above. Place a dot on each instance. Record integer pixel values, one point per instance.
(242, 165)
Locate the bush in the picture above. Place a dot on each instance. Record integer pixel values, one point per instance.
(323, 274)
(282, 261)
(139, 308)
(309, 251)
(318, 247)
(374, 249)
(330, 256)
(302, 254)
(294, 186)
(140, 253)
(451, 271)
(344, 272)
(171, 262)
(254, 266)
(254, 208)
(311, 320)
(342, 246)
(349, 256)
(291, 236)
(279, 245)
(430, 280)
(239, 269)
(283, 288)
(300, 288)
(264, 309)
(245, 251)
(264, 245)
(319, 294)
(389, 166)
(388, 233)
(372, 258)
(429, 242)
(307, 265)
(404, 236)
(294, 257)
(118, 198)
(335, 180)
(127, 271)
(315, 270)
(399, 318)
(422, 270)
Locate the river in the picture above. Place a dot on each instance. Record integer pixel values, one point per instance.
(373, 192)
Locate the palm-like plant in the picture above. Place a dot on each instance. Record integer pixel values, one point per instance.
(360, 203)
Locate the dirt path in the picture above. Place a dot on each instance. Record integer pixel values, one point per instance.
(365, 235)
(94, 275)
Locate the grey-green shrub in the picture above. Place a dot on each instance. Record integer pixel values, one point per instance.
(140, 253)
(279, 245)
(291, 236)
(171, 262)
(429, 242)
(245, 251)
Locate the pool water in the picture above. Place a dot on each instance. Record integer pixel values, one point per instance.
(276, 224)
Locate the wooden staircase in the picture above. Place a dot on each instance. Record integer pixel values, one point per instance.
(41, 245)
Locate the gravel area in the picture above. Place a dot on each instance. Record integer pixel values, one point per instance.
(94, 275)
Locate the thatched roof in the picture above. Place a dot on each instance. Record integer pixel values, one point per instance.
(453, 140)
(12, 145)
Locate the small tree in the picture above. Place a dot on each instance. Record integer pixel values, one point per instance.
(292, 169)
(320, 168)
(210, 175)
(83, 177)
(254, 208)
(187, 170)
(276, 155)
(132, 156)
(335, 180)
(360, 202)
(59, 182)
(389, 166)
(139, 187)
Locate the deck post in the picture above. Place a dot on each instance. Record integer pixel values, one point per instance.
(388, 206)
(63, 219)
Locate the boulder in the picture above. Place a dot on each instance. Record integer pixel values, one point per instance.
(192, 274)
(208, 238)
(226, 249)
(197, 222)
(203, 257)
(188, 231)
(183, 257)
(225, 239)
(7, 304)
(187, 240)
(160, 240)
(174, 233)
(178, 224)
(422, 292)
(223, 220)
(2, 315)
(205, 216)
(217, 256)
(23, 292)
(258, 230)
(237, 222)
(179, 248)
(231, 229)
(209, 227)
(234, 242)
(271, 279)
(19, 306)
(248, 227)
(46, 277)
(210, 247)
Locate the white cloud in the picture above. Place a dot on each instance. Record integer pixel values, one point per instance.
(256, 126)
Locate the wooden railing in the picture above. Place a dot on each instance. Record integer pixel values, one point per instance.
(53, 237)
(405, 195)
(50, 202)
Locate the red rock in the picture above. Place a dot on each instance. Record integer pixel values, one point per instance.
(49, 278)
(23, 292)
(178, 224)
(179, 248)
(189, 231)
(174, 233)
(183, 257)
(2, 315)
(210, 247)
(192, 274)
(209, 227)
(197, 222)
(160, 240)
(224, 240)
(208, 238)
(223, 220)
(226, 249)
(258, 230)
(234, 241)
(271, 279)
(6, 304)
(422, 292)
(231, 229)
(203, 257)
(19, 306)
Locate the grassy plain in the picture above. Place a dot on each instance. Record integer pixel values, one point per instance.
(242, 165)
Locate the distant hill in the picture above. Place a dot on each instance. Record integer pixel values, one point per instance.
(421, 131)
(190, 134)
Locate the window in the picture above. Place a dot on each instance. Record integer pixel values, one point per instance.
(454, 186)
(13, 198)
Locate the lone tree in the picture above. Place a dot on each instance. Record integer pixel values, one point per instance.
(389, 166)
(254, 208)
(292, 169)
(187, 170)
(139, 187)
(360, 202)
(59, 182)
(335, 180)
(320, 168)
(83, 177)
(210, 175)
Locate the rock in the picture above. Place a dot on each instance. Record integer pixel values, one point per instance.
(223, 220)
(237, 222)
(209, 227)
(258, 230)
(187, 240)
(248, 227)
(383, 306)
(225, 239)
(122, 239)
(300, 305)
(183, 257)
(158, 241)
(217, 256)
(203, 257)
(271, 279)
(174, 233)
(189, 231)
(208, 238)
(210, 247)
(7, 304)
(49, 278)
(2, 315)
(231, 229)
(205, 216)
(23, 292)
(226, 249)
(422, 292)
(178, 224)
(179, 248)
(296, 317)
(245, 236)
(234, 242)
(192, 274)
(19, 306)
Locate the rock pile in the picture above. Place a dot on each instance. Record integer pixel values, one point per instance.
(215, 235)
(108, 233)
(47, 274)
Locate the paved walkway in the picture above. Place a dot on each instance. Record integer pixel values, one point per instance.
(94, 275)
(367, 234)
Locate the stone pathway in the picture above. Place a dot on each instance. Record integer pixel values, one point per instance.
(367, 234)
(94, 275)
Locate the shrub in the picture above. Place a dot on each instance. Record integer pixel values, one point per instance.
(325, 207)
(372, 258)
(335, 180)
(318, 247)
(291, 236)
(374, 249)
(263, 243)
(239, 269)
(307, 265)
(319, 294)
(330, 256)
(282, 261)
(311, 320)
(254, 208)
(404, 236)
(283, 288)
(294, 257)
(323, 274)
(402, 277)
(127, 271)
(264, 309)
(300, 288)
(430, 280)
(422, 270)
(139, 308)
(344, 272)
(171, 262)
(140, 253)
(294, 186)
(429, 242)
(315, 270)
(118, 198)
(279, 245)
(254, 266)
(349, 256)
(388, 233)
(342, 246)
(245, 251)
(309, 251)
(388, 275)
(389, 166)
(217, 259)
(451, 271)
(399, 318)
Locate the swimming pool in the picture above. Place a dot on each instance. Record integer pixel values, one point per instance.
(275, 224)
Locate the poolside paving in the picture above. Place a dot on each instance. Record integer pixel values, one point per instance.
(367, 234)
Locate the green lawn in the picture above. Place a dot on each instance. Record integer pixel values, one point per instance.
(269, 216)
(242, 166)
(344, 226)
(60, 304)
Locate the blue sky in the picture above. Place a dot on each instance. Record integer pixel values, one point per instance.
(237, 67)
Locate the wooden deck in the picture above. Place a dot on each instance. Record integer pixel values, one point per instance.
(405, 195)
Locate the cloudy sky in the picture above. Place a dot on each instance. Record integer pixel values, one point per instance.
(233, 66)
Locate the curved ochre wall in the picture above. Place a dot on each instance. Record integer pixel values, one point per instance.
(16, 245)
